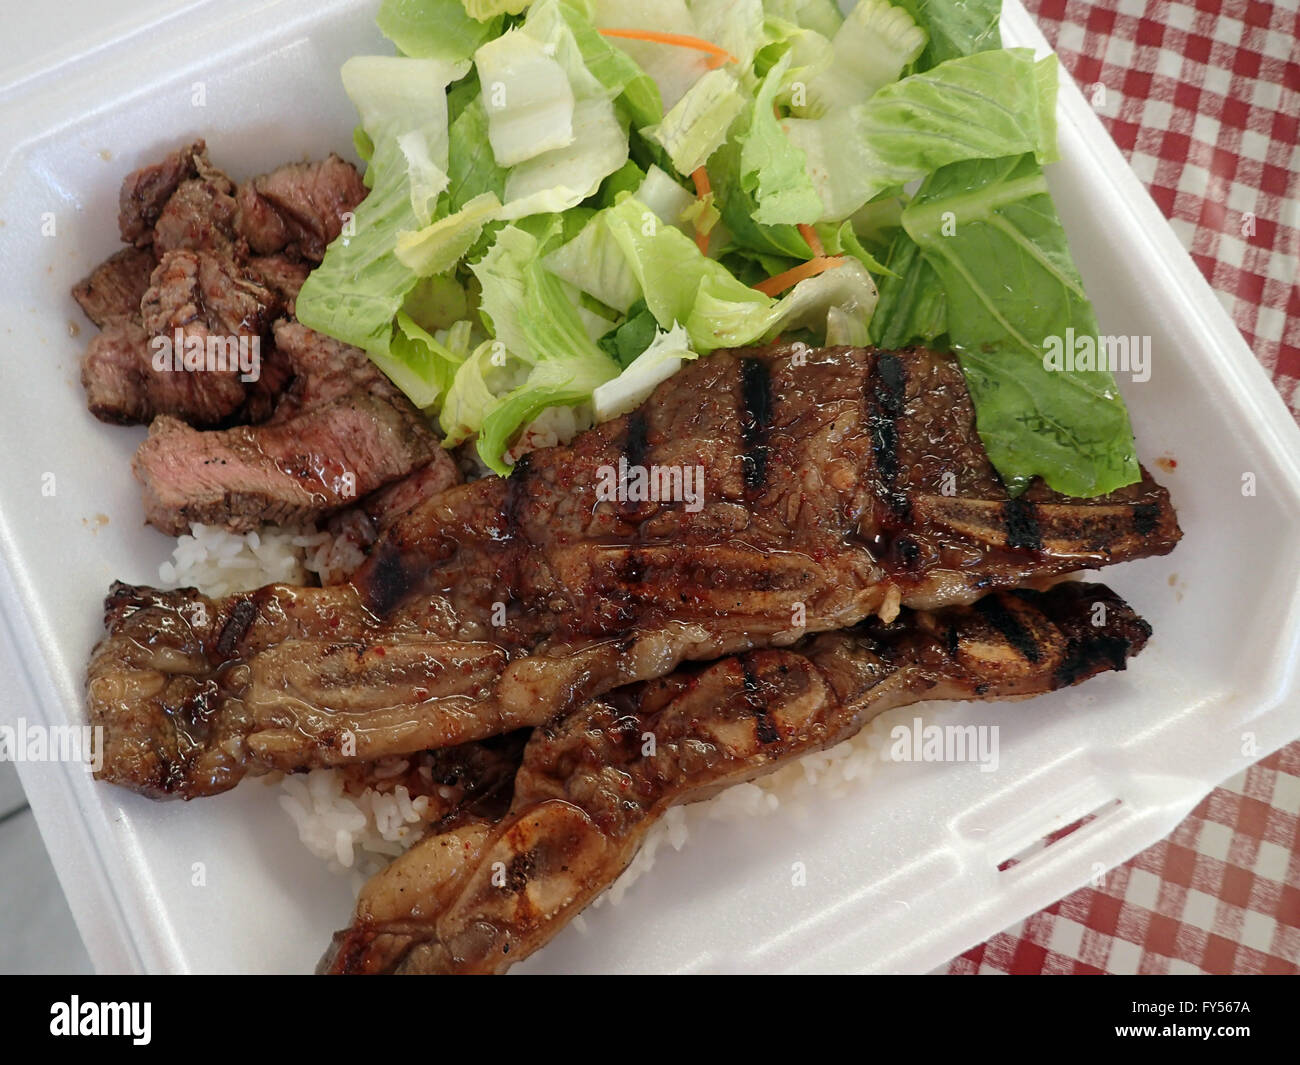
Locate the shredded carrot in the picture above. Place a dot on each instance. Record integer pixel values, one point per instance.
(774, 286)
(703, 186)
(717, 56)
(814, 241)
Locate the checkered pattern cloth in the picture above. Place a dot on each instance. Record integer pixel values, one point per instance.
(1204, 99)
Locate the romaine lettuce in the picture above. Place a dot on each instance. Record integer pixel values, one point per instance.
(991, 234)
(987, 105)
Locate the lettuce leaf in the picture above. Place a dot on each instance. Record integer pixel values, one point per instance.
(356, 292)
(912, 309)
(672, 69)
(559, 172)
(613, 68)
(681, 286)
(483, 10)
(955, 27)
(698, 123)
(595, 264)
(534, 316)
(473, 169)
(821, 16)
(870, 50)
(1010, 284)
(438, 247)
(662, 357)
(418, 364)
(988, 105)
(489, 373)
(630, 339)
(434, 29)
(675, 279)
(772, 169)
(528, 97)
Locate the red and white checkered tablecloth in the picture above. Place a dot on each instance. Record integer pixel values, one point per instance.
(1203, 97)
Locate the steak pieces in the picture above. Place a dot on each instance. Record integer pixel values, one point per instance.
(145, 192)
(196, 336)
(497, 605)
(190, 230)
(114, 289)
(299, 208)
(591, 785)
(341, 432)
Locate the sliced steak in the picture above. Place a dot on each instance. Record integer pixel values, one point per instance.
(145, 192)
(299, 208)
(206, 294)
(114, 289)
(288, 473)
(591, 787)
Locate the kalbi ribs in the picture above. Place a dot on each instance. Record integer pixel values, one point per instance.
(497, 605)
(588, 792)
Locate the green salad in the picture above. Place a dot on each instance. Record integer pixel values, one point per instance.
(571, 198)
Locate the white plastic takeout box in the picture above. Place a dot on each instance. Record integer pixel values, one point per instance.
(902, 874)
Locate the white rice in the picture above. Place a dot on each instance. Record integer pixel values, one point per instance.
(221, 563)
(352, 833)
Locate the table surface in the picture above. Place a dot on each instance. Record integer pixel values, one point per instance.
(1203, 97)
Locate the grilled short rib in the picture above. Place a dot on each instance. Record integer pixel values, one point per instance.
(499, 604)
(588, 792)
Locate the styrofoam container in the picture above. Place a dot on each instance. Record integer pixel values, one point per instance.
(903, 873)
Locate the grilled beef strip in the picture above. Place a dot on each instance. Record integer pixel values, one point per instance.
(340, 432)
(588, 792)
(499, 604)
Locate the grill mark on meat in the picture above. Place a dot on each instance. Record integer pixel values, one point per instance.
(756, 421)
(764, 729)
(516, 496)
(1146, 518)
(1002, 619)
(636, 444)
(887, 401)
(1021, 523)
(389, 579)
(235, 627)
